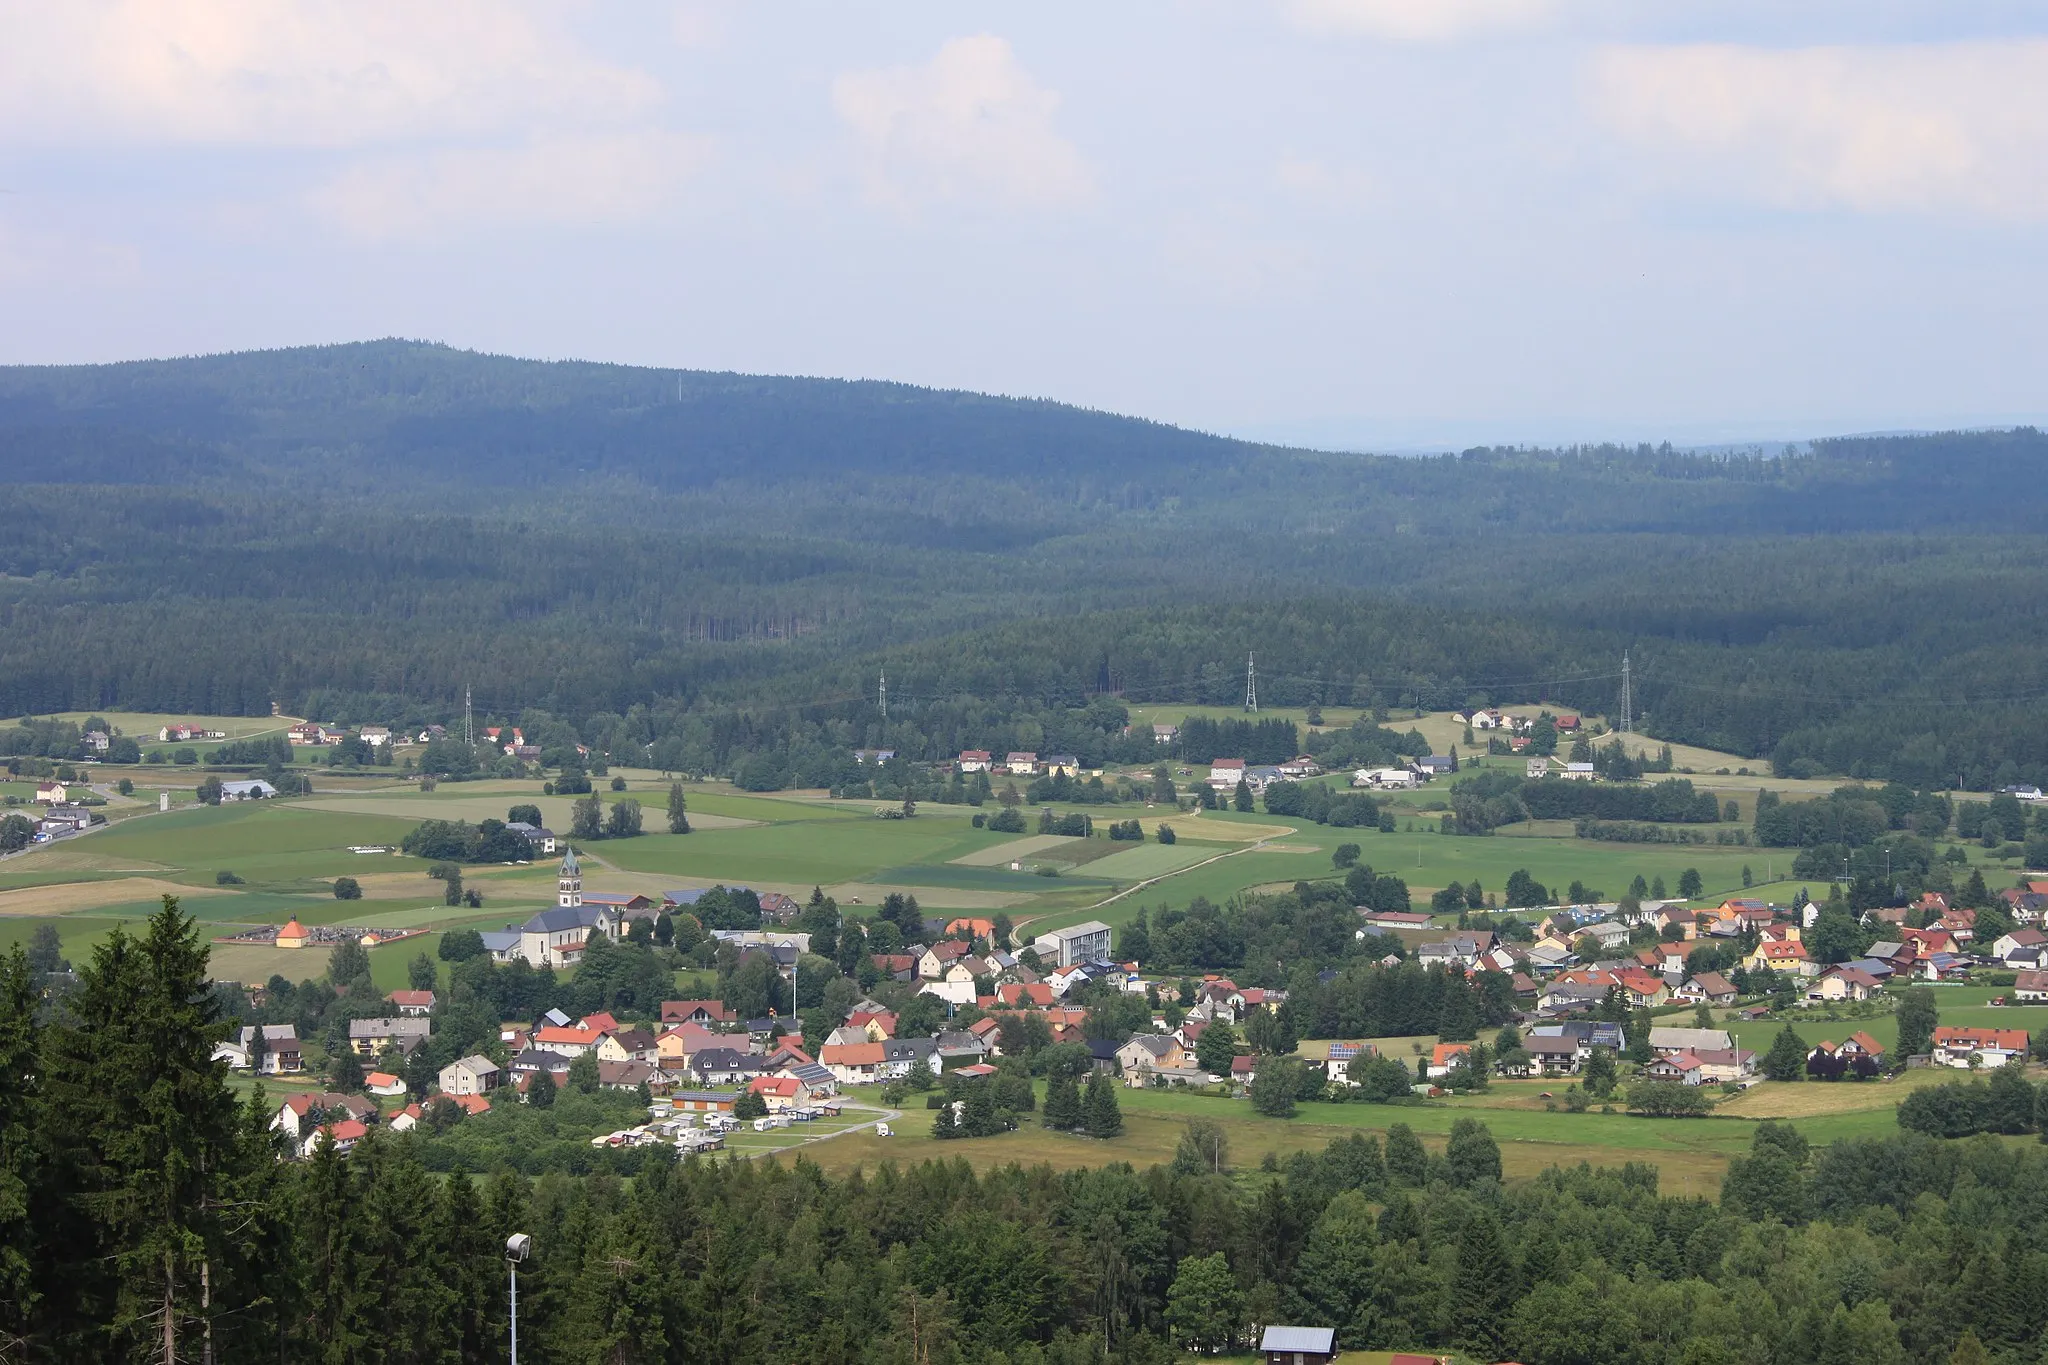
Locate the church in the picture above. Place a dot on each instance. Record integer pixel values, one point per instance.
(556, 937)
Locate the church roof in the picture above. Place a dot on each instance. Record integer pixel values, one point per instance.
(569, 865)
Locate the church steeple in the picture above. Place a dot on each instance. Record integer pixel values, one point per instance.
(569, 882)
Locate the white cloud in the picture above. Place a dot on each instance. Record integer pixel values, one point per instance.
(329, 73)
(969, 124)
(578, 180)
(1418, 21)
(1951, 128)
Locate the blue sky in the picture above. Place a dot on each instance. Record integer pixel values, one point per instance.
(1373, 223)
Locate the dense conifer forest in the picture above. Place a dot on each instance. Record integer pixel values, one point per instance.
(727, 562)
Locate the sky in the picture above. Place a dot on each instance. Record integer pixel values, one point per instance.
(1370, 224)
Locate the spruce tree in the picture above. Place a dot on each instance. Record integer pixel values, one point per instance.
(1786, 1061)
(469, 1261)
(338, 1310)
(1101, 1117)
(1062, 1103)
(1407, 1162)
(1483, 1286)
(944, 1126)
(18, 1164)
(147, 1134)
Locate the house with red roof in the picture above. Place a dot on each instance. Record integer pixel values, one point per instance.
(344, 1134)
(1444, 1056)
(1682, 1067)
(412, 1004)
(879, 1025)
(896, 966)
(778, 1092)
(853, 1063)
(695, 1012)
(1955, 1045)
(1025, 995)
(572, 1040)
(1781, 956)
(1845, 983)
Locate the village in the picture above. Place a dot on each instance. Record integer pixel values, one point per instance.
(1588, 1006)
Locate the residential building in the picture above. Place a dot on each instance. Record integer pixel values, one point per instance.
(280, 1050)
(1021, 764)
(370, 1037)
(1225, 774)
(2031, 988)
(1844, 983)
(540, 837)
(1665, 1041)
(1709, 987)
(941, 956)
(1062, 765)
(411, 1004)
(1298, 1345)
(852, 1063)
(1954, 1045)
(1080, 943)
(1445, 1056)
(723, 1066)
(471, 1075)
(973, 761)
(695, 1012)
(900, 1054)
(1554, 1054)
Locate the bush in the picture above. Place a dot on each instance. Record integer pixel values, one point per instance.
(226, 878)
(1667, 1099)
(347, 889)
(749, 1105)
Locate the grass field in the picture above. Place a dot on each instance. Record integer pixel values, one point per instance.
(1690, 1154)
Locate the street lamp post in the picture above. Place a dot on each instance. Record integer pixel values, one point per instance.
(517, 1248)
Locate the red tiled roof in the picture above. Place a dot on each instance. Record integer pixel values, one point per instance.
(576, 1034)
(2003, 1039)
(851, 1054)
(677, 1010)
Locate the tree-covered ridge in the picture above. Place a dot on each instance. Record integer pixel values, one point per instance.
(366, 530)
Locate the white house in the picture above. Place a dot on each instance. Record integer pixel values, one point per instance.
(472, 1075)
(1226, 773)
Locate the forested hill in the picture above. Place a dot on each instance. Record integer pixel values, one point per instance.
(412, 412)
(365, 530)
